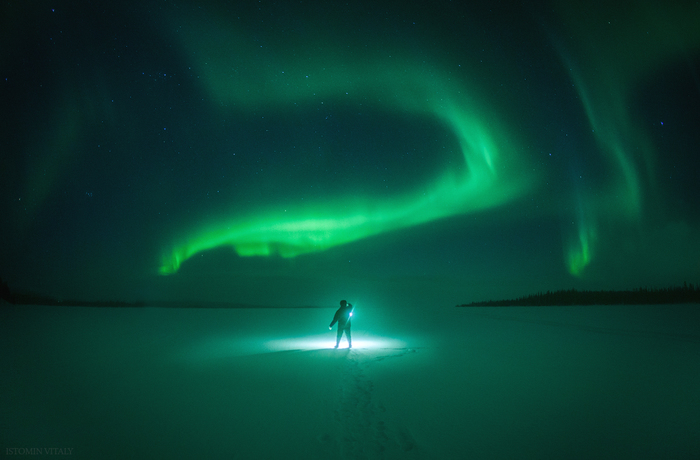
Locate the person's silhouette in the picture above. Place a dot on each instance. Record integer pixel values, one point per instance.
(342, 317)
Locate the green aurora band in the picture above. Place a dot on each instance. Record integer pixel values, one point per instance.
(291, 233)
(617, 48)
(610, 51)
(492, 174)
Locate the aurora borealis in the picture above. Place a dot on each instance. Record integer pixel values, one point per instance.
(284, 152)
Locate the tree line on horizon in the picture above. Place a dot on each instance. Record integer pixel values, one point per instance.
(688, 293)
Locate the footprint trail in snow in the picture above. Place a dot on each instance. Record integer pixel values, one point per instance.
(363, 432)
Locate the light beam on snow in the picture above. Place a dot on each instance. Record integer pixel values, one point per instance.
(321, 342)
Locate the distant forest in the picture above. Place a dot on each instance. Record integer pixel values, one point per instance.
(688, 293)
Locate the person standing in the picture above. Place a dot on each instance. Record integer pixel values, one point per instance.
(342, 317)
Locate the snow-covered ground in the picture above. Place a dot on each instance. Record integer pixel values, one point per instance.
(432, 382)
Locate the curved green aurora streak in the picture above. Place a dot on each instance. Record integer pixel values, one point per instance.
(606, 59)
(491, 175)
(614, 55)
(290, 234)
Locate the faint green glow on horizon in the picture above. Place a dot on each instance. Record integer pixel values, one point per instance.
(491, 175)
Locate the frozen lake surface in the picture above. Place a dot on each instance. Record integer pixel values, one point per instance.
(550, 382)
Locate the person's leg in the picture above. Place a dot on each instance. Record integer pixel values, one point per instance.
(339, 335)
(349, 336)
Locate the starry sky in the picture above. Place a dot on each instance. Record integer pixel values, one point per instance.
(298, 152)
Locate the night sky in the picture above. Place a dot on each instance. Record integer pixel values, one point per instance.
(296, 153)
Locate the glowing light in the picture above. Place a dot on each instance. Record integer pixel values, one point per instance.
(218, 349)
(491, 174)
(327, 341)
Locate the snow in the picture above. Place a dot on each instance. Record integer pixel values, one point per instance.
(431, 382)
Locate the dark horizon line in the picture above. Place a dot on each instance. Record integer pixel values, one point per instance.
(53, 302)
(687, 293)
(24, 297)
